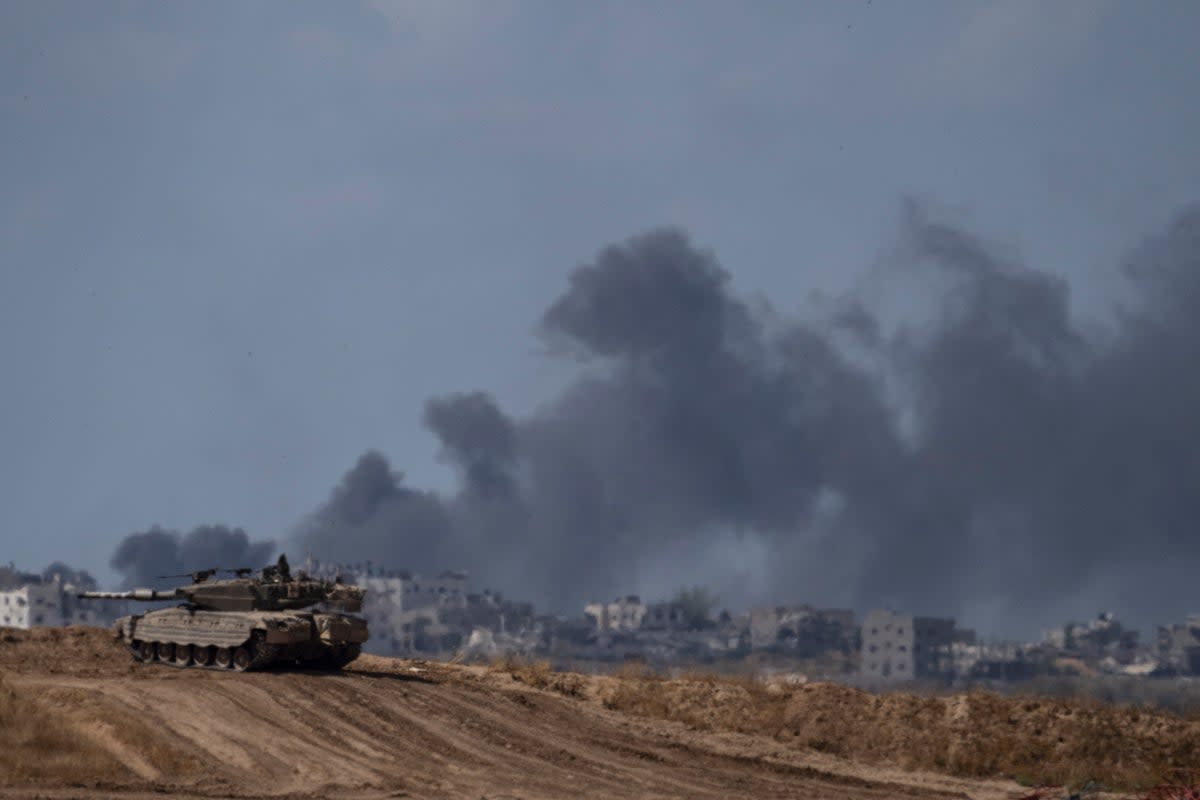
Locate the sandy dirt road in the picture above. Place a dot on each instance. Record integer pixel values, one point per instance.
(393, 728)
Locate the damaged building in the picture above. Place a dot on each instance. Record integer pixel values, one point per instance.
(1178, 647)
(405, 611)
(806, 630)
(902, 647)
(621, 616)
(1102, 643)
(409, 613)
(663, 632)
(28, 600)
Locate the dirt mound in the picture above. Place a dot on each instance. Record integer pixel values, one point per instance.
(36, 744)
(79, 719)
(76, 650)
(1034, 740)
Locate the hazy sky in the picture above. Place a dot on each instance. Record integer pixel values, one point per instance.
(242, 243)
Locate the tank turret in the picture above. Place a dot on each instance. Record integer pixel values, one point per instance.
(274, 590)
(246, 622)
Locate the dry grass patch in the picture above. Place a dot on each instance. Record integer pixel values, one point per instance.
(1182, 784)
(120, 731)
(38, 745)
(540, 675)
(64, 736)
(75, 650)
(1037, 740)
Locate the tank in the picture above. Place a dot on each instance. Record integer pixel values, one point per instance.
(246, 622)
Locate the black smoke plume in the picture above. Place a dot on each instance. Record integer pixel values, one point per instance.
(997, 458)
(373, 517)
(142, 558)
(79, 578)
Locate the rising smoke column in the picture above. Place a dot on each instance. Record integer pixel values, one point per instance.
(991, 457)
(1051, 467)
(692, 418)
(142, 558)
(372, 517)
(79, 578)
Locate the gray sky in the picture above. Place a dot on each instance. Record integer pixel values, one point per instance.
(242, 243)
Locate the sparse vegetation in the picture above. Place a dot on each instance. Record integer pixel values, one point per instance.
(57, 731)
(59, 736)
(1179, 696)
(540, 675)
(1181, 784)
(1038, 740)
(1068, 732)
(37, 744)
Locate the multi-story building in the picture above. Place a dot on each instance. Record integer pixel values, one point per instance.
(898, 647)
(665, 617)
(34, 604)
(802, 628)
(447, 590)
(623, 615)
(382, 607)
(406, 612)
(403, 609)
(1179, 646)
(31, 601)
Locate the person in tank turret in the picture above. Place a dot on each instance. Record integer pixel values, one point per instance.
(279, 573)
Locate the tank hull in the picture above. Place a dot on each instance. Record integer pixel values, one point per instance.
(188, 637)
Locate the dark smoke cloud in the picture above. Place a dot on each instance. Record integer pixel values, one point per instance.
(372, 516)
(478, 439)
(79, 578)
(142, 558)
(993, 459)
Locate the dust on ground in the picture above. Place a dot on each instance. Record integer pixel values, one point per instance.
(79, 719)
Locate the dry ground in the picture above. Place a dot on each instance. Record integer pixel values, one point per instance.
(79, 719)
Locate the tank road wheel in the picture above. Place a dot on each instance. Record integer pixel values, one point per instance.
(165, 651)
(145, 651)
(224, 657)
(204, 656)
(183, 655)
(264, 654)
(242, 658)
(135, 650)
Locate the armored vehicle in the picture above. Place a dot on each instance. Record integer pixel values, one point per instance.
(246, 622)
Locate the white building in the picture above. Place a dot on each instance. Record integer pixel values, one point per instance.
(447, 590)
(623, 615)
(408, 613)
(401, 607)
(37, 603)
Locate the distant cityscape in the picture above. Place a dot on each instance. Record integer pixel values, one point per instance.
(442, 617)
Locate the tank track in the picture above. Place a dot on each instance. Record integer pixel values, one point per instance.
(253, 655)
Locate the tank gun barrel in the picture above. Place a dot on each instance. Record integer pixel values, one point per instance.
(147, 595)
